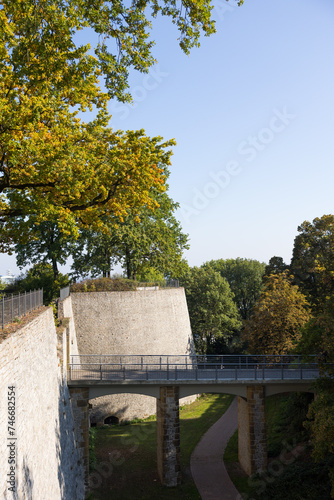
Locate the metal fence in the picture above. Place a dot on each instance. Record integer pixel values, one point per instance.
(64, 292)
(158, 284)
(18, 305)
(191, 368)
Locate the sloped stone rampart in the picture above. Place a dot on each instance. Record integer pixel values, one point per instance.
(47, 463)
(138, 322)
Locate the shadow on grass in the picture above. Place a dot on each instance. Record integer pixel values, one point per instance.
(126, 465)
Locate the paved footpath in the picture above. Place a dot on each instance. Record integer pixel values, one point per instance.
(206, 463)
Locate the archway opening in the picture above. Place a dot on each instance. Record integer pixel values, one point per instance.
(112, 420)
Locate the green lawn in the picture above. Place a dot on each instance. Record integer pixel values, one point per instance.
(126, 465)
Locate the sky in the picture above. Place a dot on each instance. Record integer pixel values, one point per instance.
(252, 112)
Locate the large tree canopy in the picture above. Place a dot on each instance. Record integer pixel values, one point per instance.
(144, 240)
(53, 165)
(213, 314)
(278, 315)
(312, 262)
(245, 279)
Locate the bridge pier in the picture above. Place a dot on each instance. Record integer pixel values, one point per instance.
(80, 405)
(168, 436)
(252, 443)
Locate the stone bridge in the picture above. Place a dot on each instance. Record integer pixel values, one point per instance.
(169, 378)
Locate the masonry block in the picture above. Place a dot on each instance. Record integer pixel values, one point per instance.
(168, 436)
(252, 443)
(80, 405)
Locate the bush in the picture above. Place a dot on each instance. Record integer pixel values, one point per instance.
(104, 285)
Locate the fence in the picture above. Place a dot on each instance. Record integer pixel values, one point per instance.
(221, 368)
(65, 292)
(19, 305)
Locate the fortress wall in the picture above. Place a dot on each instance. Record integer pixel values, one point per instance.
(65, 311)
(46, 458)
(140, 322)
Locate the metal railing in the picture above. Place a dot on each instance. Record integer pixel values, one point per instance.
(64, 292)
(17, 306)
(116, 368)
(158, 284)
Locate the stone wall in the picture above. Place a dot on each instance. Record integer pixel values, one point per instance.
(252, 442)
(46, 455)
(139, 322)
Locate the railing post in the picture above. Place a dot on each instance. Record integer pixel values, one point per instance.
(236, 373)
(175, 372)
(263, 371)
(301, 371)
(255, 376)
(146, 372)
(3, 311)
(282, 373)
(167, 370)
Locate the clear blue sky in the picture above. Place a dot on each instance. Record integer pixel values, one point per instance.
(252, 111)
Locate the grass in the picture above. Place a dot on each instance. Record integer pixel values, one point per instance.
(126, 464)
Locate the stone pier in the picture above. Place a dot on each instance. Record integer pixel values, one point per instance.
(252, 444)
(80, 405)
(168, 436)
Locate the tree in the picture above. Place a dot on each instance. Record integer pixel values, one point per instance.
(52, 164)
(276, 265)
(40, 276)
(44, 243)
(145, 240)
(245, 279)
(213, 314)
(313, 260)
(278, 315)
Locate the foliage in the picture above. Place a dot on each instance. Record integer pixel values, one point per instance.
(278, 316)
(305, 480)
(320, 424)
(104, 285)
(145, 240)
(213, 314)
(313, 260)
(245, 279)
(2, 288)
(276, 265)
(40, 276)
(44, 243)
(54, 166)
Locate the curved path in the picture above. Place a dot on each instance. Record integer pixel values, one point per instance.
(206, 463)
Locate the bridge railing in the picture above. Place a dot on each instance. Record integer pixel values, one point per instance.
(191, 367)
